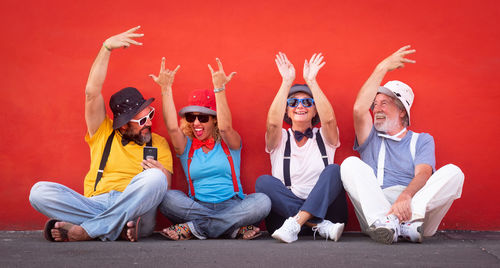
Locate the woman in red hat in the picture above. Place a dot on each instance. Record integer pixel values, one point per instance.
(305, 186)
(209, 150)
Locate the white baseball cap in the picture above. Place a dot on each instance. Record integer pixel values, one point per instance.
(401, 91)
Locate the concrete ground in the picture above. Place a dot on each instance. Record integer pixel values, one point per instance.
(445, 249)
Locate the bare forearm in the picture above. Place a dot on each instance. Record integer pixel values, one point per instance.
(224, 119)
(278, 106)
(419, 180)
(369, 90)
(97, 73)
(170, 118)
(325, 112)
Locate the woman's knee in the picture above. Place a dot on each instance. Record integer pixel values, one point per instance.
(261, 204)
(263, 183)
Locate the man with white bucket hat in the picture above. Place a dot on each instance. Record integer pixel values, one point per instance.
(394, 187)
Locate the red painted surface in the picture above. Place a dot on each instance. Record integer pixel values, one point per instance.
(47, 50)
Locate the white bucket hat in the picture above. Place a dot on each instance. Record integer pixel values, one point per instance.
(401, 91)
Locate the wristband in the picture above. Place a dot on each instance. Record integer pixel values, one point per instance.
(106, 47)
(216, 90)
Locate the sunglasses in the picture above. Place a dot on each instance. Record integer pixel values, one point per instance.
(203, 118)
(141, 121)
(294, 102)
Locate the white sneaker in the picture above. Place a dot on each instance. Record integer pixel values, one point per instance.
(329, 230)
(412, 231)
(385, 230)
(288, 232)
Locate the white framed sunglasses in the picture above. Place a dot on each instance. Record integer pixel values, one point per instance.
(141, 121)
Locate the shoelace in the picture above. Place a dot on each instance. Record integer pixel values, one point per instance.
(315, 229)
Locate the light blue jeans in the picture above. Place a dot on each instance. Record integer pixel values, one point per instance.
(104, 216)
(211, 220)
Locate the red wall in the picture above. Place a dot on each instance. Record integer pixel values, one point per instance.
(47, 50)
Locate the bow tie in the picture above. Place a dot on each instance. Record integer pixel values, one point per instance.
(125, 141)
(209, 143)
(299, 135)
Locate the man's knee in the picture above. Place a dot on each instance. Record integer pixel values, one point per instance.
(154, 178)
(351, 166)
(452, 173)
(38, 192)
(263, 183)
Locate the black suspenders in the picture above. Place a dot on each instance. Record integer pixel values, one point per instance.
(105, 155)
(286, 156)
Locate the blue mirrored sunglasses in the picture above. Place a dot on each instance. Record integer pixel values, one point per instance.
(294, 102)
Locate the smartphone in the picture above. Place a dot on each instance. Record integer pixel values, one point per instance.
(150, 153)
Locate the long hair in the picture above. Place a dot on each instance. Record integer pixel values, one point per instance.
(188, 130)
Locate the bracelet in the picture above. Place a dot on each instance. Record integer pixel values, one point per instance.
(106, 47)
(216, 90)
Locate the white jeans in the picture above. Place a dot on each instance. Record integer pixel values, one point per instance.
(430, 204)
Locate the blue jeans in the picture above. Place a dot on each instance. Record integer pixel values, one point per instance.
(104, 216)
(211, 220)
(325, 201)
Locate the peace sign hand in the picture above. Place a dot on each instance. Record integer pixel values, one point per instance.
(219, 78)
(166, 77)
(123, 40)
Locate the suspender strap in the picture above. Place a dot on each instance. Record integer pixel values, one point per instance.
(104, 159)
(286, 162)
(381, 156)
(105, 155)
(286, 157)
(229, 159)
(322, 148)
(413, 145)
(190, 181)
(381, 163)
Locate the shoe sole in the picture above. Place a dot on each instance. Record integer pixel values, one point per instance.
(278, 237)
(382, 235)
(339, 233)
(421, 237)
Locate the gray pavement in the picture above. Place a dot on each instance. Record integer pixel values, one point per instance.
(445, 249)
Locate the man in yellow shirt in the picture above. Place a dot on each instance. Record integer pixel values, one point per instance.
(121, 190)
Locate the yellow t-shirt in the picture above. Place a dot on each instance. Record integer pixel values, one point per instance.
(124, 162)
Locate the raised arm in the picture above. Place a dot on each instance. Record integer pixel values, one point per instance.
(276, 112)
(363, 121)
(224, 120)
(323, 106)
(95, 109)
(165, 79)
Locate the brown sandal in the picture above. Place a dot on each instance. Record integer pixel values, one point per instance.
(243, 230)
(182, 231)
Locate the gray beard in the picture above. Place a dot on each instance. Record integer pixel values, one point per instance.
(139, 139)
(387, 125)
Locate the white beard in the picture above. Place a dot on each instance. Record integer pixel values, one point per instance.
(387, 125)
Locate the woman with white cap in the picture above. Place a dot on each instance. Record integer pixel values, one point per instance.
(305, 186)
(209, 150)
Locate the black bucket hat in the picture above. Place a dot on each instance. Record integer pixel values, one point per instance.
(125, 104)
(301, 88)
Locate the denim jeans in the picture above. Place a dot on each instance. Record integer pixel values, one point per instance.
(104, 216)
(325, 201)
(211, 220)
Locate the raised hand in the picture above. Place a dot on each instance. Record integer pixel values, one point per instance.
(285, 67)
(312, 67)
(397, 59)
(123, 40)
(219, 78)
(166, 77)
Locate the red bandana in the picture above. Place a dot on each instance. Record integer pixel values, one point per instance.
(209, 143)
